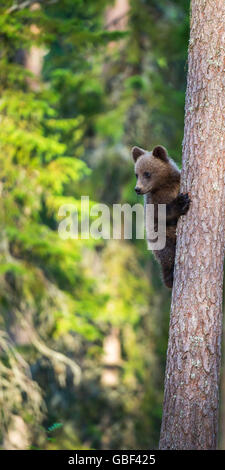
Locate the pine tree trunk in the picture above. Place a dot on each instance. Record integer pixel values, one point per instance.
(117, 15)
(190, 416)
(34, 57)
(222, 387)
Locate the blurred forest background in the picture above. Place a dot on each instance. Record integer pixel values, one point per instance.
(84, 323)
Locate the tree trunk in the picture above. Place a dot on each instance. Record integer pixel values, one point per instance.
(111, 359)
(116, 18)
(34, 57)
(222, 387)
(190, 415)
(117, 15)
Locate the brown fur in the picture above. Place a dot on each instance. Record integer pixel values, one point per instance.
(158, 178)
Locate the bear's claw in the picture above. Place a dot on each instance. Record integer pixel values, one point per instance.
(183, 202)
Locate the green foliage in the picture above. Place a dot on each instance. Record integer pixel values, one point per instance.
(54, 427)
(65, 133)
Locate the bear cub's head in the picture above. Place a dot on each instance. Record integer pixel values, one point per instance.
(153, 169)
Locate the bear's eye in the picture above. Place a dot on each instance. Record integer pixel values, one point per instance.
(147, 174)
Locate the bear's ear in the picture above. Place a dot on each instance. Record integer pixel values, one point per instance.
(160, 152)
(137, 152)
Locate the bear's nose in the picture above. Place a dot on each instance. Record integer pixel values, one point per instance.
(138, 190)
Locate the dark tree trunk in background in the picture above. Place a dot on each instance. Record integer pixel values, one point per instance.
(190, 415)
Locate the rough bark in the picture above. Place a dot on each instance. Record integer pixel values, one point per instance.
(190, 416)
(222, 386)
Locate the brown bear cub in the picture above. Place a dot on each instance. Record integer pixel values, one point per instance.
(158, 178)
